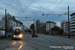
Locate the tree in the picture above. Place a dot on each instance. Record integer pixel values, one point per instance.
(32, 26)
(60, 31)
(56, 28)
(25, 30)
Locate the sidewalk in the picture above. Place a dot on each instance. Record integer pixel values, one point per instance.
(61, 36)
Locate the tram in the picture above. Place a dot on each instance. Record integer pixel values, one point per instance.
(17, 33)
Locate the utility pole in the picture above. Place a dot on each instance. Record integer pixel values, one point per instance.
(68, 24)
(5, 23)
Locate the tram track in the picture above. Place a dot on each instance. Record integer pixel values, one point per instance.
(10, 45)
(55, 42)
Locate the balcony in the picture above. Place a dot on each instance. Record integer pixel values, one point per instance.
(72, 18)
(72, 21)
(72, 27)
(72, 24)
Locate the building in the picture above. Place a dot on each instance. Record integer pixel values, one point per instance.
(64, 26)
(43, 27)
(72, 26)
(0, 24)
(40, 26)
(49, 25)
(11, 22)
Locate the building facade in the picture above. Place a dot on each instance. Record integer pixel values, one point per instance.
(72, 26)
(0, 24)
(40, 26)
(64, 26)
(50, 25)
(11, 22)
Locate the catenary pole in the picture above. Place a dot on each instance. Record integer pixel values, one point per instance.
(68, 24)
(5, 23)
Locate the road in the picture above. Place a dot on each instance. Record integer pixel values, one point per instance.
(43, 42)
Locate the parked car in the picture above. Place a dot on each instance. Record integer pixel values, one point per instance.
(2, 33)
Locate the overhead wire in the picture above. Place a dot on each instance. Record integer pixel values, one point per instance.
(54, 8)
(25, 8)
(57, 17)
(28, 5)
(20, 6)
(46, 6)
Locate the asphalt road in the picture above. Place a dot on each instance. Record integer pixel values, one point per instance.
(43, 42)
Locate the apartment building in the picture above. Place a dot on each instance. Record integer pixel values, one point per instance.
(0, 24)
(11, 22)
(64, 26)
(72, 26)
(50, 25)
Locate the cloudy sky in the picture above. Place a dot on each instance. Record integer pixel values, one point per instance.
(35, 8)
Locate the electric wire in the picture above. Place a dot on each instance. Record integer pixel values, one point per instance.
(25, 8)
(28, 5)
(46, 6)
(58, 17)
(20, 6)
(54, 8)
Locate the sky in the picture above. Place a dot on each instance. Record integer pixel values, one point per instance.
(35, 8)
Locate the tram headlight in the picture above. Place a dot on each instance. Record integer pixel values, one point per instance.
(14, 36)
(20, 36)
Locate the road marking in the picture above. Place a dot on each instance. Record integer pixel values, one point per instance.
(20, 45)
(13, 43)
(7, 48)
(11, 49)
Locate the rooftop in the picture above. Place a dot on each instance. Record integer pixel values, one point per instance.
(50, 22)
(72, 14)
